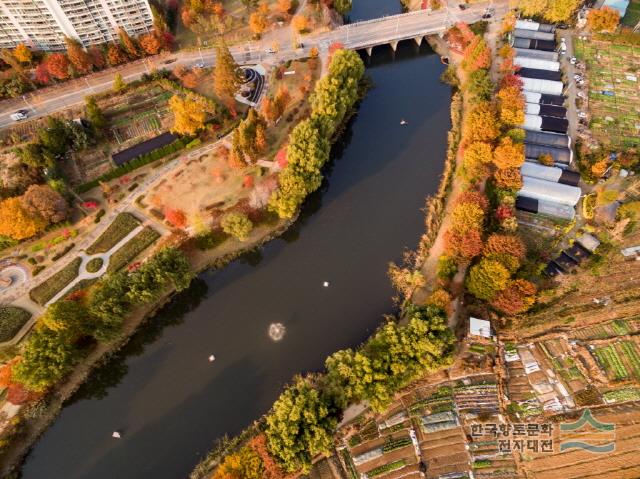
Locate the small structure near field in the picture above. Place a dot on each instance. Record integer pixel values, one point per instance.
(480, 327)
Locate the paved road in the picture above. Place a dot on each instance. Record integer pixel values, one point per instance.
(355, 36)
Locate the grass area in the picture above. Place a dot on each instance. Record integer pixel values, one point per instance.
(132, 248)
(632, 15)
(122, 225)
(94, 265)
(11, 321)
(42, 293)
(614, 90)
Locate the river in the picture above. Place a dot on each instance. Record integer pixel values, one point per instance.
(162, 393)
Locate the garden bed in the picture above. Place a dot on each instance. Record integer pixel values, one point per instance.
(132, 248)
(122, 225)
(12, 319)
(43, 293)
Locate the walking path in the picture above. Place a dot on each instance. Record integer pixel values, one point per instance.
(85, 258)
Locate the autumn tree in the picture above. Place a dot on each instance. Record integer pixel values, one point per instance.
(189, 115)
(118, 83)
(115, 55)
(511, 105)
(300, 23)
(487, 278)
(225, 74)
(237, 225)
(151, 43)
(258, 23)
(476, 55)
(546, 159)
(66, 317)
(463, 246)
(41, 74)
(516, 298)
(128, 44)
(405, 280)
(561, 10)
(481, 124)
(58, 66)
(466, 217)
(506, 249)
(16, 222)
(480, 85)
(22, 53)
(475, 161)
(250, 137)
(284, 6)
(243, 464)
(96, 54)
(78, 57)
(43, 201)
(508, 154)
(175, 217)
(604, 19)
(475, 197)
(508, 179)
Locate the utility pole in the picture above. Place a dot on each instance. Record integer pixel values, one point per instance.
(24, 97)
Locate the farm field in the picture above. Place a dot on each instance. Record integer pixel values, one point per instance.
(578, 463)
(614, 91)
(620, 360)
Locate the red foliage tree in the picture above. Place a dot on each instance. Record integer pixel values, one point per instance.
(58, 66)
(42, 75)
(176, 217)
(115, 55)
(503, 212)
(247, 181)
(463, 246)
(281, 157)
(97, 57)
(510, 80)
(19, 395)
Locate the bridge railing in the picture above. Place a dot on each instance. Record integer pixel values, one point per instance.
(386, 18)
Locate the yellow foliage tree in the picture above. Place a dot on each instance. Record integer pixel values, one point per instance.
(599, 168)
(477, 156)
(23, 54)
(481, 124)
(16, 223)
(258, 23)
(466, 217)
(511, 105)
(189, 115)
(508, 154)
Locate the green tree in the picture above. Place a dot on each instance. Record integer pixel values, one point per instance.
(480, 85)
(107, 303)
(300, 425)
(47, 357)
(237, 225)
(250, 136)
(66, 317)
(342, 6)
(95, 116)
(487, 278)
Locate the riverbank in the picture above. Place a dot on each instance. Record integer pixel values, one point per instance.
(43, 415)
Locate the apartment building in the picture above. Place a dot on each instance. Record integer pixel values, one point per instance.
(43, 24)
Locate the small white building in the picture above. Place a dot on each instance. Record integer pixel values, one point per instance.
(537, 63)
(550, 191)
(536, 85)
(480, 327)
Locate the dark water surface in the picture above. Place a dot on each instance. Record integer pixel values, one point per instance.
(368, 9)
(168, 400)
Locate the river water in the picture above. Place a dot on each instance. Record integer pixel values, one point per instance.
(162, 393)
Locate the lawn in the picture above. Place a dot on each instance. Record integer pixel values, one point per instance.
(43, 293)
(131, 249)
(11, 321)
(121, 226)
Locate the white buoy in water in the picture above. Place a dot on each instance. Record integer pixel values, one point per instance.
(325, 284)
(212, 358)
(403, 122)
(116, 435)
(276, 331)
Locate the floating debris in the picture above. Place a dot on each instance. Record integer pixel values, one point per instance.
(212, 358)
(325, 284)
(276, 331)
(116, 435)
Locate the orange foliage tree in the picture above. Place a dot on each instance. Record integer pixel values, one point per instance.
(466, 217)
(517, 298)
(508, 154)
(78, 57)
(463, 246)
(300, 23)
(603, 19)
(22, 53)
(258, 23)
(115, 55)
(505, 244)
(150, 43)
(58, 66)
(508, 178)
(476, 55)
(476, 158)
(511, 105)
(175, 217)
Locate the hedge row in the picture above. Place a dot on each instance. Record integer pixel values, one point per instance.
(132, 248)
(43, 293)
(121, 226)
(136, 163)
(11, 321)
